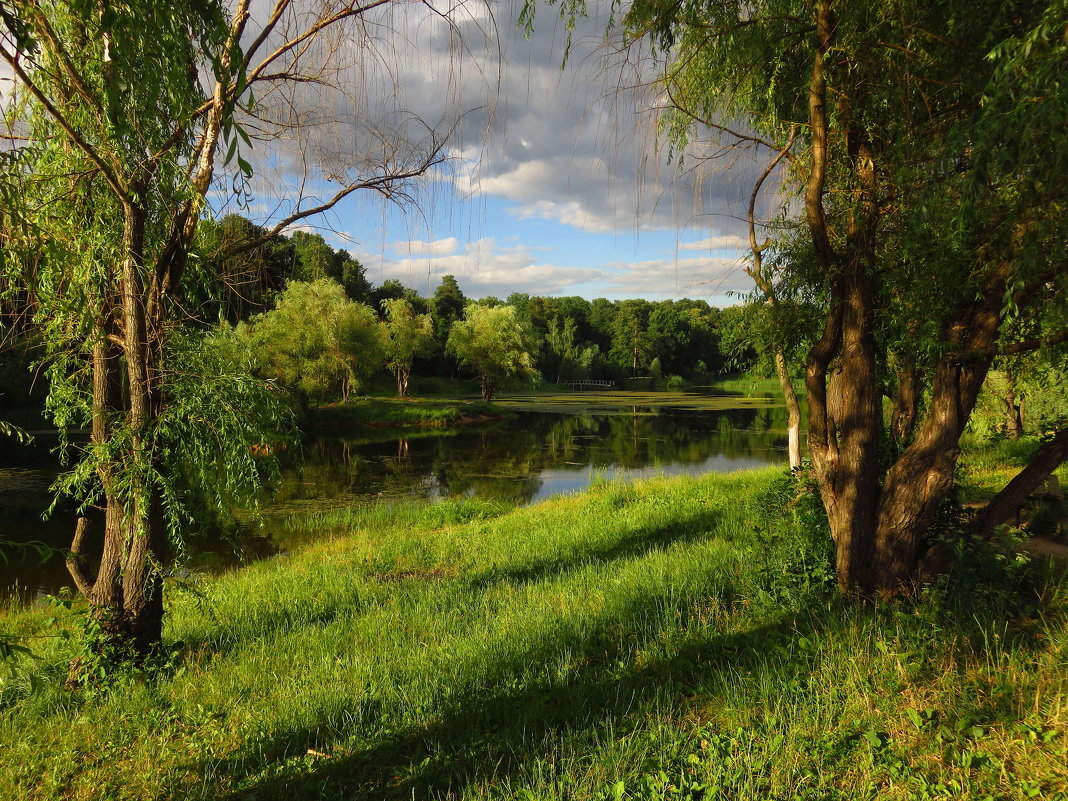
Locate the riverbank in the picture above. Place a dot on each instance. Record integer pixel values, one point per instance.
(371, 412)
(654, 640)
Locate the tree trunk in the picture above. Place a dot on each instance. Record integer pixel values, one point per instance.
(125, 595)
(1013, 412)
(919, 481)
(1005, 504)
(846, 457)
(906, 403)
(793, 411)
(487, 390)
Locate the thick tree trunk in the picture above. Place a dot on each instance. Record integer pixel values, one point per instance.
(919, 481)
(846, 459)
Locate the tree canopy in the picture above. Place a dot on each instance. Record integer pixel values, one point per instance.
(495, 344)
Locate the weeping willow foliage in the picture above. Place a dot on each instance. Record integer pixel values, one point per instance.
(73, 172)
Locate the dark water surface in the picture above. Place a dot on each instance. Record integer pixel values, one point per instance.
(521, 460)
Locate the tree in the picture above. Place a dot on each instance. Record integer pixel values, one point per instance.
(495, 345)
(926, 144)
(408, 335)
(632, 347)
(315, 259)
(244, 283)
(316, 342)
(560, 341)
(446, 306)
(120, 118)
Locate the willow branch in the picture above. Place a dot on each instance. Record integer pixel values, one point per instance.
(1010, 349)
(113, 180)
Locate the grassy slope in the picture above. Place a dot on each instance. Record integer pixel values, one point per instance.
(615, 644)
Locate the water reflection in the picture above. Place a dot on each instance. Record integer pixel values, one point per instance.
(520, 460)
(536, 455)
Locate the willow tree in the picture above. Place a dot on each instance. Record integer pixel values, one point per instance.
(123, 117)
(929, 166)
(408, 334)
(494, 344)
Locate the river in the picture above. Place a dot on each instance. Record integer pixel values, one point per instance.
(549, 446)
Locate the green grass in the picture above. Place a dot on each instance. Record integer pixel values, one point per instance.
(647, 640)
(401, 413)
(986, 467)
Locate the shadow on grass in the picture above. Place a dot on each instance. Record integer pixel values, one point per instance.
(638, 541)
(491, 728)
(501, 722)
(275, 619)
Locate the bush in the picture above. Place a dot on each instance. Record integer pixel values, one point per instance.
(796, 551)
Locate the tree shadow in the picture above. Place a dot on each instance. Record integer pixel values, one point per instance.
(503, 720)
(485, 734)
(636, 542)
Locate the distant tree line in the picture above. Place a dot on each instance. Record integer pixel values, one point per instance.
(309, 318)
(319, 326)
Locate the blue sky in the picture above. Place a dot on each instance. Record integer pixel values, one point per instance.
(555, 181)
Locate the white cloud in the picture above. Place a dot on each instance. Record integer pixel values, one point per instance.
(419, 247)
(727, 242)
(711, 279)
(484, 267)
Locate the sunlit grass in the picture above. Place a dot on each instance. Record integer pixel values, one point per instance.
(620, 643)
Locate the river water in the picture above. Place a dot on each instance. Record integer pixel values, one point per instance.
(531, 456)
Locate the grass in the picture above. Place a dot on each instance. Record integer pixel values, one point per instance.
(987, 466)
(649, 640)
(401, 413)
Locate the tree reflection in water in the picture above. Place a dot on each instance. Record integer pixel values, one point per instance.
(516, 461)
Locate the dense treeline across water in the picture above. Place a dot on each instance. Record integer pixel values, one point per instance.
(289, 284)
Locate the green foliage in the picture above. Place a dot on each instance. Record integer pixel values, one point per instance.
(315, 259)
(407, 335)
(795, 548)
(204, 440)
(316, 342)
(495, 345)
(447, 306)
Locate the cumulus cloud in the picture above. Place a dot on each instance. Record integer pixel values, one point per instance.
(711, 279)
(575, 144)
(419, 247)
(483, 267)
(729, 242)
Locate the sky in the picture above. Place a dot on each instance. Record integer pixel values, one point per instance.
(554, 180)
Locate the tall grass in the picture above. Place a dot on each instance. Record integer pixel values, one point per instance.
(636, 641)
